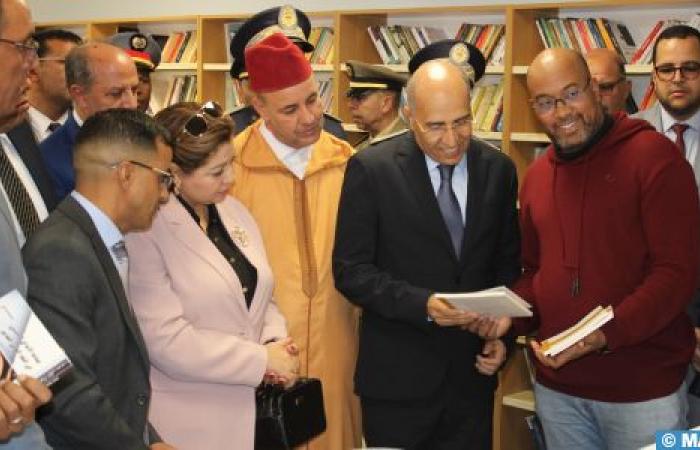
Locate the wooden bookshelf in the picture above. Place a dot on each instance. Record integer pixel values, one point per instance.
(521, 134)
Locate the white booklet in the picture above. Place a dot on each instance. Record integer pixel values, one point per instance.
(496, 302)
(26, 344)
(591, 322)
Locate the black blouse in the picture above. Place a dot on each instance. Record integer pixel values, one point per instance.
(216, 231)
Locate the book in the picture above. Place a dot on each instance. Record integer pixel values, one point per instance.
(595, 319)
(26, 345)
(496, 302)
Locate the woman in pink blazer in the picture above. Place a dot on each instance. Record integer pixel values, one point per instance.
(201, 289)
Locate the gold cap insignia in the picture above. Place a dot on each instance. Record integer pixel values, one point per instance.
(287, 17)
(138, 42)
(459, 54)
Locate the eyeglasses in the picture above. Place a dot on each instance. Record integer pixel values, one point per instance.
(197, 124)
(166, 179)
(607, 88)
(437, 130)
(27, 47)
(546, 104)
(689, 71)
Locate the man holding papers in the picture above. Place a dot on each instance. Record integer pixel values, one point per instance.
(609, 217)
(406, 232)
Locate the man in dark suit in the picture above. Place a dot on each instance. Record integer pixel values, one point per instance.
(294, 24)
(77, 264)
(99, 76)
(431, 210)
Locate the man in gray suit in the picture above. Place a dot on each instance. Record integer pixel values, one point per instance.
(18, 401)
(78, 267)
(676, 77)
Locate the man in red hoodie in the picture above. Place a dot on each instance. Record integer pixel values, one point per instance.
(609, 216)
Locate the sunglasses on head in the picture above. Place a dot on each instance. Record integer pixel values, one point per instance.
(197, 124)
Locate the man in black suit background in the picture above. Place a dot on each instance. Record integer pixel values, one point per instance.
(430, 210)
(77, 266)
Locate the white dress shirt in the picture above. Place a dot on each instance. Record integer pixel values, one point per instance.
(40, 123)
(294, 159)
(691, 138)
(460, 180)
(28, 182)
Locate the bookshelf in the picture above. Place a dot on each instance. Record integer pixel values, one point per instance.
(521, 135)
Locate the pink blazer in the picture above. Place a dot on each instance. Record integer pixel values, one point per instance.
(204, 343)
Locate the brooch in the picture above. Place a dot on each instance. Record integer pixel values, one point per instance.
(239, 236)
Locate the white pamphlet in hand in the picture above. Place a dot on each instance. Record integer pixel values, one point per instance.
(26, 344)
(496, 302)
(591, 322)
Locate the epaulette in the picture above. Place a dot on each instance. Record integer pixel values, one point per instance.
(332, 117)
(387, 136)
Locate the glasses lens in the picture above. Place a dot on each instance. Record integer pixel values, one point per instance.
(212, 108)
(196, 126)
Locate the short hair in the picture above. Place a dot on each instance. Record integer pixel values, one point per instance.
(190, 152)
(43, 36)
(78, 66)
(675, 32)
(133, 130)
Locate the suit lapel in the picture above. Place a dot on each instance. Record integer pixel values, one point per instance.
(411, 160)
(75, 212)
(191, 236)
(24, 141)
(478, 175)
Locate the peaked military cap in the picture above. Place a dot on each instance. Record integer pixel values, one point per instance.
(287, 20)
(464, 55)
(365, 77)
(144, 50)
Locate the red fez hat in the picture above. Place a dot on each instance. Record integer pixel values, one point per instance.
(276, 63)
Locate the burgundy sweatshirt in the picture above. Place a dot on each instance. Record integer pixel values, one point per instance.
(622, 222)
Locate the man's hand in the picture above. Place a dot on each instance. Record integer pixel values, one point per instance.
(446, 315)
(591, 343)
(162, 446)
(18, 402)
(491, 357)
(696, 355)
(489, 327)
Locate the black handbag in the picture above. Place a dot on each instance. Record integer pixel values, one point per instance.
(285, 418)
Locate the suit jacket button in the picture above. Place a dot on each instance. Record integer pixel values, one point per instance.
(141, 400)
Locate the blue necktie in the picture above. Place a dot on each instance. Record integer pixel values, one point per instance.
(449, 207)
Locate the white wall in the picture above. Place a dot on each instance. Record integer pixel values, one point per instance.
(71, 10)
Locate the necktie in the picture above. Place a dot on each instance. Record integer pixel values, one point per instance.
(679, 129)
(53, 126)
(19, 197)
(449, 207)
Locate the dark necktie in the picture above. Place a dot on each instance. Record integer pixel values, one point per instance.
(679, 129)
(53, 126)
(19, 197)
(449, 207)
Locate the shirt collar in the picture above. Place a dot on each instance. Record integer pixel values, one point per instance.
(461, 166)
(295, 159)
(42, 120)
(106, 228)
(667, 121)
(77, 118)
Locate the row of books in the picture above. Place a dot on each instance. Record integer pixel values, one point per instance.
(396, 44)
(322, 40)
(643, 53)
(586, 34)
(489, 38)
(181, 88)
(487, 106)
(325, 92)
(180, 47)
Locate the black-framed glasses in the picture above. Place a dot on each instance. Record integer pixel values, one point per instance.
(689, 71)
(165, 178)
(27, 47)
(546, 104)
(607, 88)
(197, 125)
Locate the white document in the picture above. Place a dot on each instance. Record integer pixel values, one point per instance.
(26, 344)
(496, 302)
(591, 322)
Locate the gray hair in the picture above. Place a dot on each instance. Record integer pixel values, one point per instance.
(78, 66)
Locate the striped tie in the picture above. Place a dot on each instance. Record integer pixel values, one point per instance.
(19, 197)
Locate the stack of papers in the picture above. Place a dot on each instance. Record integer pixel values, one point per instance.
(593, 320)
(496, 302)
(26, 344)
